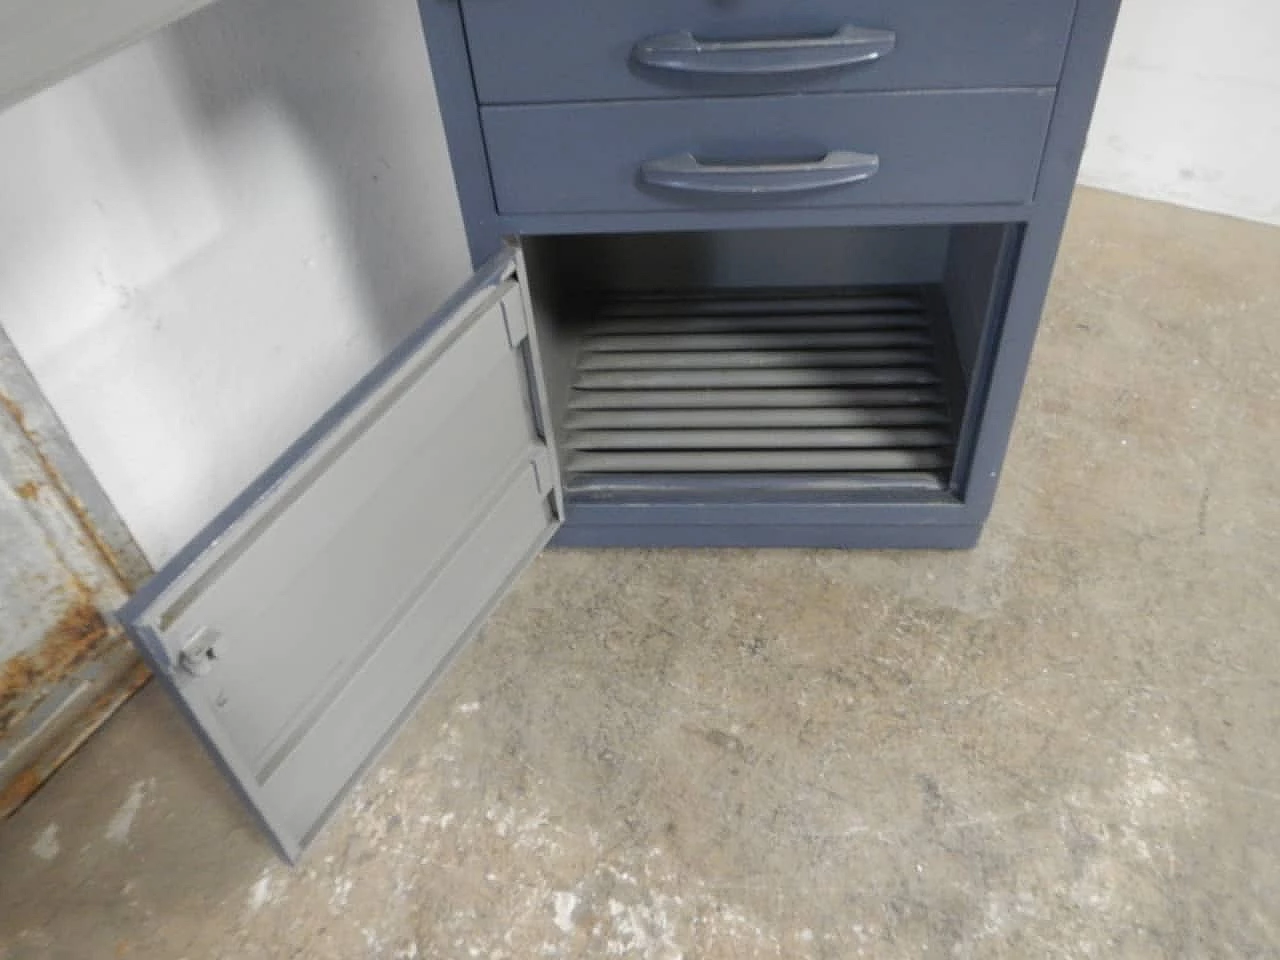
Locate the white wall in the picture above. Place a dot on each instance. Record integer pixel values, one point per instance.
(1190, 107)
(208, 236)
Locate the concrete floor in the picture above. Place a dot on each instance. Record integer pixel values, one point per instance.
(1065, 743)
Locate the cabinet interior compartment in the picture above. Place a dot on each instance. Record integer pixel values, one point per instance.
(765, 362)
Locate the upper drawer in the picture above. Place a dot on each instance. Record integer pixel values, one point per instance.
(562, 50)
(836, 149)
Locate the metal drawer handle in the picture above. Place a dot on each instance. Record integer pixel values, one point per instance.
(685, 53)
(687, 172)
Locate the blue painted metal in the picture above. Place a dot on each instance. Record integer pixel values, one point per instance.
(987, 43)
(846, 46)
(1005, 368)
(743, 217)
(451, 68)
(811, 536)
(958, 147)
(688, 173)
(564, 50)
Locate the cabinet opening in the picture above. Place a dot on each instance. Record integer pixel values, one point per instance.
(766, 363)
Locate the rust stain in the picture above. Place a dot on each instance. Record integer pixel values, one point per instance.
(74, 504)
(90, 530)
(15, 411)
(18, 790)
(120, 689)
(80, 635)
(67, 644)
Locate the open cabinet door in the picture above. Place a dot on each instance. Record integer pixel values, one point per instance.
(298, 631)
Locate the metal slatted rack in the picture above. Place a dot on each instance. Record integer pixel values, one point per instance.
(849, 382)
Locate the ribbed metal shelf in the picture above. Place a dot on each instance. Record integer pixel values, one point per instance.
(847, 383)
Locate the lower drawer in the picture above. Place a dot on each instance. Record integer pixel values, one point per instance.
(939, 147)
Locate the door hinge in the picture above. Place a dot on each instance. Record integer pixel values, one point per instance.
(543, 471)
(517, 323)
(200, 651)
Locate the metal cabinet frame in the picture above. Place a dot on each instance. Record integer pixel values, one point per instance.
(299, 628)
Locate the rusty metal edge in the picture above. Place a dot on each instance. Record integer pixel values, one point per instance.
(101, 684)
(124, 675)
(66, 471)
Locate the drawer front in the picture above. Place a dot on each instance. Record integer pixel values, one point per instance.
(963, 147)
(567, 50)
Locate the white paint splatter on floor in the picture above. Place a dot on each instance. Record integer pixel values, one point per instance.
(121, 822)
(46, 846)
(260, 892)
(341, 892)
(565, 903)
(644, 929)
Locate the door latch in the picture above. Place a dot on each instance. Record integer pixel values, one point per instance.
(198, 655)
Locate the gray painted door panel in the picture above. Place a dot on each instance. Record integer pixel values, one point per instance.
(335, 597)
(42, 41)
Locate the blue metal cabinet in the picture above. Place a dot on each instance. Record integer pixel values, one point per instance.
(750, 141)
(788, 300)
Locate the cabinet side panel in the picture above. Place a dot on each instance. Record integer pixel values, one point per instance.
(455, 89)
(1082, 75)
